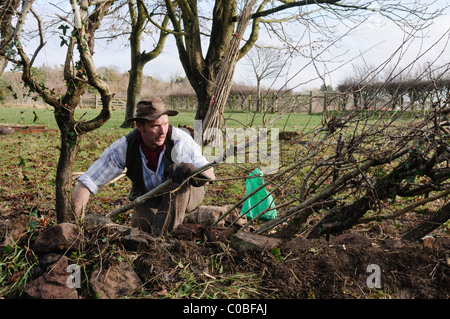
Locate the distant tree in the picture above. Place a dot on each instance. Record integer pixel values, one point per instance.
(326, 88)
(140, 18)
(266, 63)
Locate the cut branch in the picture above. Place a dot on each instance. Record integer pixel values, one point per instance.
(406, 209)
(438, 218)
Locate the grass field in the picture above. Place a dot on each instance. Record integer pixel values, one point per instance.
(30, 163)
(295, 121)
(30, 159)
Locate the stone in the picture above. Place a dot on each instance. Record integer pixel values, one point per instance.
(6, 130)
(11, 231)
(436, 243)
(47, 259)
(133, 243)
(288, 135)
(247, 241)
(115, 282)
(199, 232)
(134, 239)
(351, 239)
(95, 219)
(52, 284)
(57, 238)
(207, 215)
(393, 244)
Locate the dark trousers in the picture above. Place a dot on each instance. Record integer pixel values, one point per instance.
(163, 213)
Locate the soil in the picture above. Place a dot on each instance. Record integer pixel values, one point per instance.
(338, 268)
(316, 268)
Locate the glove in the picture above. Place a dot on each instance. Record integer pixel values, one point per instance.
(179, 172)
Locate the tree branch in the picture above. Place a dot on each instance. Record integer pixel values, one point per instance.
(438, 218)
(405, 209)
(291, 5)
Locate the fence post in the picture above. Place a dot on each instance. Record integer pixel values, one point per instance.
(310, 103)
(274, 104)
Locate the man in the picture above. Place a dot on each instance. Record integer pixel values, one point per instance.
(151, 153)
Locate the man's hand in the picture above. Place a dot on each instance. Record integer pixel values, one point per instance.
(179, 172)
(80, 198)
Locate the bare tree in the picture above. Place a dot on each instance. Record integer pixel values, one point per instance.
(140, 18)
(266, 63)
(77, 75)
(191, 32)
(7, 12)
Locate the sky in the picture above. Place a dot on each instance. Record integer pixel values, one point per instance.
(371, 44)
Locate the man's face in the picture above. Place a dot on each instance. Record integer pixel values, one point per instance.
(154, 132)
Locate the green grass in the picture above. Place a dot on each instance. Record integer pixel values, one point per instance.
(30, 160)
(288, 122)
(38, 116)
(14, 262)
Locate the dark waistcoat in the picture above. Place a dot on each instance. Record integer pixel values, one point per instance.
(134, 162)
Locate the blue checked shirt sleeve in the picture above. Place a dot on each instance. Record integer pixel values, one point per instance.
(110, 164)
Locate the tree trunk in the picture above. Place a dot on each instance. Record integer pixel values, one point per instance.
(204, 96)
(135, 80)
(133, 92)
(258, 95)
(68, 150)
(138, 59)
(202, 71)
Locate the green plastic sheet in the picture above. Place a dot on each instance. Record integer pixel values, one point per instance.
(259, 201)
